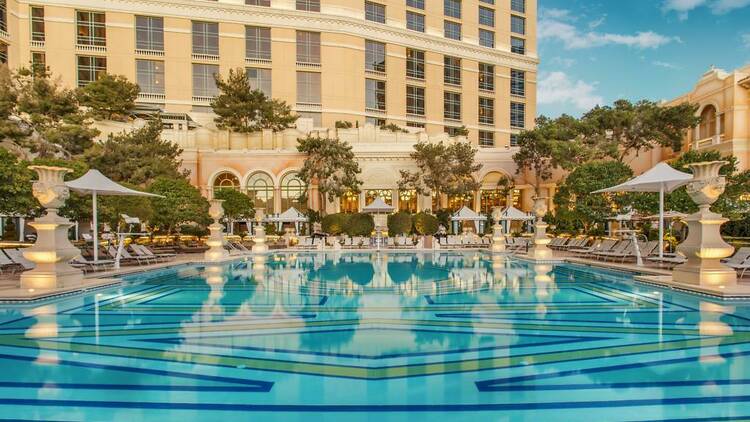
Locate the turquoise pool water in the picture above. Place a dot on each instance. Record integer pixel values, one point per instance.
(376, 337)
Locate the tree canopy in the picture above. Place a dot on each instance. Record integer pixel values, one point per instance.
(15, 185)
(237, 205)
(182, 203)
(442, 169)
(110, 97)
(331, 164)
(242, 109)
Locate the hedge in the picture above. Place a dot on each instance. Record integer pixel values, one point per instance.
(425, 224)
(334, 224)
(399, 223)
(359, 225)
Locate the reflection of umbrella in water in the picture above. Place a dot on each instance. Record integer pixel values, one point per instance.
(400, 272)
(361, 273)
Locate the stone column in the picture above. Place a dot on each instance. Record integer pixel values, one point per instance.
(215, 242)
(704, 247)
(52, 250)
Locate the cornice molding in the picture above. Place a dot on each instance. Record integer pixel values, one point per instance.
(293, 19)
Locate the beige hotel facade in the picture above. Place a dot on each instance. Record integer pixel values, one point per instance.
(428, 66)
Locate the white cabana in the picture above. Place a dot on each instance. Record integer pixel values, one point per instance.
(662, 178)
(292, 215)
(467, 214)
(95, 183)
(378, 206)
(511, 214)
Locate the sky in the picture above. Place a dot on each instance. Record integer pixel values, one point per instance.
(597, 51)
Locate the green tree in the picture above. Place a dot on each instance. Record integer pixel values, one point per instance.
(111, 97)
(442, 169)
(237, 205)
(137, 157)
(15, 186)
(182, 203)
(399, 223)
(640, 126)
(38, 117)
(331, 164)
(242, 109)
(425, 224)
(577, 208)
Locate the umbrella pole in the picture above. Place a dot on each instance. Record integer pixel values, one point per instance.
(96, 230)
(661, 222)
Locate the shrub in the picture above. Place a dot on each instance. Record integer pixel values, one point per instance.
(193, 230)
(444, 218)
(334, 224)
(271, 229)
(359, 225)
(425, 224)
(399, 223)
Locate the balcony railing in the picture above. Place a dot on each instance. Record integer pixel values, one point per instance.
(148, 97)
(309, 65)
(152, 53)
(206, 57)
(36, 44)
(203, 100)
(707, 142)
(4, 35)
(91, 48)
(249, 60)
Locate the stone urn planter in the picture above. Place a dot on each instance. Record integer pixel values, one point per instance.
(260, 232)
(215, 242)
(52, 250)
(498, 237)
(540, 251)
(704, 246)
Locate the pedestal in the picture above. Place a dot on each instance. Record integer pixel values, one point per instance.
(50, 254)
(540, 251)
(215, 242)
(704, 249)
(260, 240)
(498, 239)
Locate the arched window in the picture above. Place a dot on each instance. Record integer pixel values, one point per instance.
(407, 200)
(385, 194)
(293, 191)
(708, 122)
(349, 202)
(260, 190)
(492, 193)
(226, 180)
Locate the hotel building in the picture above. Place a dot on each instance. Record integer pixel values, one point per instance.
(432, 67)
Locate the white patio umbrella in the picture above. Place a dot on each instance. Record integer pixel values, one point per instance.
(510, 214)
(661, 178)
(378, 206)
(95, 183)
(467, 214)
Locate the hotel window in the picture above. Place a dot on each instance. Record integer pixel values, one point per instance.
(374, 94)
(486, 16)
(517, 82)
(374, 12)
(3, 53)
(488, 1)
(260, 190)
(517, 115)
(38, 61)
(415, 21)
(486, 38)
(513, 139)
(90, 68)
(414, 63)
(150, 76)
(517, 45)
(452, 70)
(206, 38)
(375, 121)
(257, 43)
(149, 33)
(293, 192)
(259, 79)
(374, 56)
(452, 8)
(37, 24)
(452, 30)
(308, 5)
(308, 47)
(453, 131)
(486, 139)
(452, 105)
(4, 19)
(91, 28)
(517, 24)
(415, 100)
(308, 87)
(518, 6)
(226, 181)
(407, 200)
(419, 125)
(486, 111)
(417, 4)
(204, 84)
(486, 77)
(266, 3)
(316, 117)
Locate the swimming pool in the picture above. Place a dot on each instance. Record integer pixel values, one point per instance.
(376, 337)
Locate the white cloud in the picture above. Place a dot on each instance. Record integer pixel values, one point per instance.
(718, 7)
(597, 22)
(555, 25)
(558, 88)
(666, 65)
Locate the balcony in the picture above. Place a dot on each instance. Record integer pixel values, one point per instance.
(256, 61)
(206, 57)
(150, 53)
(149, 97)
(202, 100)
(309, 107)
(85, 48)
(36, 44)
(707, 142)
(308, 65)
(4, 35)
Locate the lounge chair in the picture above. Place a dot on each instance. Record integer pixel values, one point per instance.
(740, 261)
(616, 250)
(89, 265)
(146, 252)
(645, 249)
(125, 256)
(7, 264)
(671, 260)
(17, 257)
(598, 246)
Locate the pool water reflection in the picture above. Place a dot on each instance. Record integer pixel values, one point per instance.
(377, 336)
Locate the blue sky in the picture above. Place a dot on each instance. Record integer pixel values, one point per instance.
(596, 51)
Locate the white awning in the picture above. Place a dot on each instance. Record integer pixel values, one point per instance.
(378, 206)
(95, 181)
(292, 215)
(467, 214)
(514, 214)
(662, 176)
